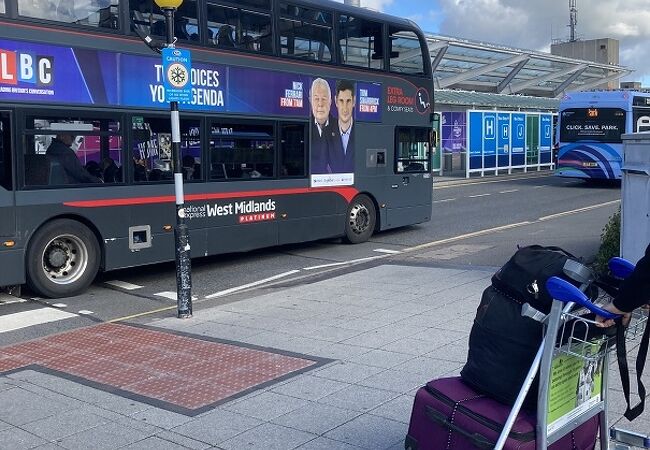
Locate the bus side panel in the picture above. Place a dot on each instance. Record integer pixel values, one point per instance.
(590, 160)
(13, 266)
(310, 217)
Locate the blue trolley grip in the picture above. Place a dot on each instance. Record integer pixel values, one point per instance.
(566, 292)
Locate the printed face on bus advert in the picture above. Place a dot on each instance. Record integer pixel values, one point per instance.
(321, 101)
(345, 107)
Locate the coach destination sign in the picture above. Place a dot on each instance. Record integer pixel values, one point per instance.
(177, 66)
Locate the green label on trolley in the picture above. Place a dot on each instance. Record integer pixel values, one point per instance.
(575, 385)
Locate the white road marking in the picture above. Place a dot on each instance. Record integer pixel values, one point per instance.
(245, 286)
(444, 200)
(124, 285)
(85, 312)
(23, 319)
(6, 299)
(579, 210)
(509, 191)
(59, 305)
(478, 195)
(325, 266)
(385, 250)
(539, 187)
(171, 295)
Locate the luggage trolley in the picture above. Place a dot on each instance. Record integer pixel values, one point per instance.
(573, 368)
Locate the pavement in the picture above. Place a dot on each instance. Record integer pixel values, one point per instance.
(330, 363)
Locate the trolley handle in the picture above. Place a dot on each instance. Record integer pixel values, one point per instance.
(566, 292)
(620, 268)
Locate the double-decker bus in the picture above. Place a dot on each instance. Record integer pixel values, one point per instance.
(307, 120)
(590, 125)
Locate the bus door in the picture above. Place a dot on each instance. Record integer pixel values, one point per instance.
(411, 191)
(7, 213)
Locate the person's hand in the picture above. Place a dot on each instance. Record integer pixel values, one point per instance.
(604, 323)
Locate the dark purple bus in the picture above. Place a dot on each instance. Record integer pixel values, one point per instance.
(307, 120)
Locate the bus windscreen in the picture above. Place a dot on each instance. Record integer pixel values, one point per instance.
(592, 124)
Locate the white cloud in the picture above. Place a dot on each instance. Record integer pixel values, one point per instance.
(532, 24)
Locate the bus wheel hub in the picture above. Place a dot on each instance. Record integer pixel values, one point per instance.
(359, 218)
(57, 257)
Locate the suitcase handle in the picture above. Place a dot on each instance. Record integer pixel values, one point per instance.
(477, 439)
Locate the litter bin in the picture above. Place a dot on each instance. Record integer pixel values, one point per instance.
(635, 196)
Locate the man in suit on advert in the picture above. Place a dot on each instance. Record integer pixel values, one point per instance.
(341, 155)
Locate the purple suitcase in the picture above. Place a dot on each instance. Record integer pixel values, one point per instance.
(448, 414)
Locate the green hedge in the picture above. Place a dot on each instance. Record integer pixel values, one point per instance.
(610, 242)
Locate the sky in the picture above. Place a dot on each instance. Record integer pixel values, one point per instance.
(533, 24)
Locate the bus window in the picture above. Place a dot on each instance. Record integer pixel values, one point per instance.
(360, 41)
(152, 149)
(405, 52)
(641, 117)
(72, 151)
(2, 7)
(232, 27)
(241, 151)
(94, 13)
(305, 33)
(412, 149)
(592, 124)
(150, 19)
(293, 150)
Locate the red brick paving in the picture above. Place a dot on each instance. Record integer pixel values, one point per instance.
(153, 363)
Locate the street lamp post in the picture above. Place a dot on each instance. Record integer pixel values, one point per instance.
(181, 234)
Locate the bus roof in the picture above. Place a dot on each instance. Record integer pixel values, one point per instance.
(362, 12)
(619, 96)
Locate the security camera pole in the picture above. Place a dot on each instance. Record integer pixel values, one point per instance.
(176, 65)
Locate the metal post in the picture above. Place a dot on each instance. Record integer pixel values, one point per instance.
(181, 234)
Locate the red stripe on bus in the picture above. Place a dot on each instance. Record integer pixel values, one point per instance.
(348, 193)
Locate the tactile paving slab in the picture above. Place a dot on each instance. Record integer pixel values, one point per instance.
(177, 372)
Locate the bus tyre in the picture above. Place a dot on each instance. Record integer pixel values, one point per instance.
(62, 259)
(360, 220)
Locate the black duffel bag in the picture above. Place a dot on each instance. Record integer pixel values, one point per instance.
(502, 342)
(502, 347)
(524, 276)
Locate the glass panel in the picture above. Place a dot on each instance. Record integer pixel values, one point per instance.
(5, 153)
(413, 152)
(305, 41)
(152, 149)
(94, 13)
(361, 42)
(2, 7)
(405, 52)
(230, 27)
(72, 151)
(292, 150)
(306, 14)
(150, 19)
(241, 151)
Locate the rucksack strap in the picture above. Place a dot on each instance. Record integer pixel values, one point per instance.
(631, 413)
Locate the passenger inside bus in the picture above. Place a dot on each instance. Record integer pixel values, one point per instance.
(60, 150)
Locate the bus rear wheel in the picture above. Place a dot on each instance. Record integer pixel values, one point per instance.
(62, 259)
(361, 220)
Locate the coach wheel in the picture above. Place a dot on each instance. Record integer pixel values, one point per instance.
(62, 259)
(361, 220)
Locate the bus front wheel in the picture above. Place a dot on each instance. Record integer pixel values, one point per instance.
(361, 220)
(62, 259)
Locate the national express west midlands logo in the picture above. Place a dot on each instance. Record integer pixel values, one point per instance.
(18, 67)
